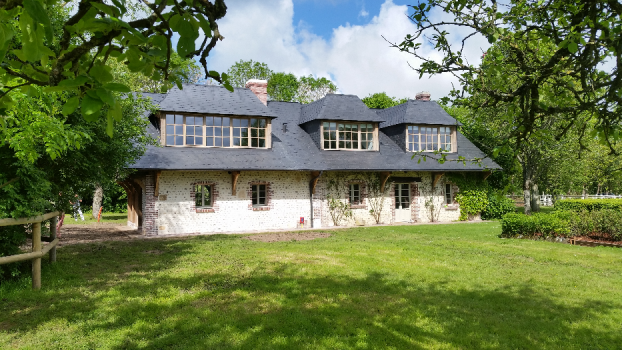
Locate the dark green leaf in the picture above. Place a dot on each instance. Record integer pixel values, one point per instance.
(71, 105)
(109, 124)
(101, 73)
(92, 117)
(573, 47)
(91, 105)
(117, 87)
(37, 12)
(185, 46)
(106, 96)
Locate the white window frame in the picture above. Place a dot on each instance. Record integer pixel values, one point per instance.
(438, 138)
(258, 197)
(267, 130)
(211, 196)
(359, 133)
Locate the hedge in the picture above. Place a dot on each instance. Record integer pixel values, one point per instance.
(603, 224)
(588, 204)
(498, 206)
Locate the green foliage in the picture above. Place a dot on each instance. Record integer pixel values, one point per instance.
(598, 224)
(312, 89)
(48, 44)
(498, 206)
(472, 202)
(534, 70)
(242, 71)
(11, 238)
(545, 225)
(381, 100)
(283, 87)
(588, 204)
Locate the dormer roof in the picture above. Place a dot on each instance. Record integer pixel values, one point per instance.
(416, 112)
(214, 100)
(338, 107)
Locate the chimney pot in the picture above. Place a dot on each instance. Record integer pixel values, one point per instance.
(259, 88)
(423, 96)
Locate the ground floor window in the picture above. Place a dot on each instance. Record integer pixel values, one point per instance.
(402, 196)
(258, 195)
(355, 194)
(203, 196)
(448, 198)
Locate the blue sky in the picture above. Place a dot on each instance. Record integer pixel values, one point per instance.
(322, 16)
(338, 39)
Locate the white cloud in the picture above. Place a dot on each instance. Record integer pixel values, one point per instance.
(356, 57)
(363, 13)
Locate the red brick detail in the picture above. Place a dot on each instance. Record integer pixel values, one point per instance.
(214, 207)
(259, 88)
(362, 194)
(150, 214)
(392, 189)
(269, 194)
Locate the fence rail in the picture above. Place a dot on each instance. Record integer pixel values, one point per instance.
(37, 250)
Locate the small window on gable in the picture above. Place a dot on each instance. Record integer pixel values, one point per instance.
(355, 194)
(203, 196)
(258, 195)
(426, 138)
(349, 136)
(448, 198)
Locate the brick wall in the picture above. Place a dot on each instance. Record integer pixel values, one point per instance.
(174, 212)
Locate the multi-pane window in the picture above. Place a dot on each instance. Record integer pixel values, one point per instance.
(258, 195)
(355, 136)
(355, 194)
(203, 196)
(448, 194)
(174, 129)
(445, 138)
(216, 131)
(402, 196)
(429, 138)
(194, 131)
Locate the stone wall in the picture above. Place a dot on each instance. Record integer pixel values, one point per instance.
(174, 211)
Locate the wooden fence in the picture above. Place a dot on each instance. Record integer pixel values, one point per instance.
(37, 250)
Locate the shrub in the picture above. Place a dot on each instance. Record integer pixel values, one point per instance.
(545, 225)
(498, 206)
(471, 202)
(11, 237)
(588, 204)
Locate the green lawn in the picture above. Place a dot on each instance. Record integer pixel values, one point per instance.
(110, 218)
(452, 286)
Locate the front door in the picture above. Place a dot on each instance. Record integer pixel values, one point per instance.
(402, 202)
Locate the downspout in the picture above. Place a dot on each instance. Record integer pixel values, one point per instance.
(311, 189)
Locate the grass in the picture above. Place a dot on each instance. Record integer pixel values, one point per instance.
(452, 286)
(112, 218)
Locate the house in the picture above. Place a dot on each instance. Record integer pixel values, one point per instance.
(233, 161)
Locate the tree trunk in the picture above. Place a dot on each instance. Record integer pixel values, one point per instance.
(97, 199)
(527, 174)
(584, 193)
(535, 198)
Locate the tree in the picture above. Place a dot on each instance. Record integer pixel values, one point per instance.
(381, 100)
(283, 87)
(43, 45)
(557, 45)
(242, 71)
(312, 89)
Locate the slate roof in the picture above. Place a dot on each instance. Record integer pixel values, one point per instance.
(295, 150)
(215, 99)
(416, 112)
(338, 107)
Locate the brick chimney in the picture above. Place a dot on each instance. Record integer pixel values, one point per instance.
(423, 96)
(259, 88)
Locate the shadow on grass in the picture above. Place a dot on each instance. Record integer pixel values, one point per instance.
(275, 306)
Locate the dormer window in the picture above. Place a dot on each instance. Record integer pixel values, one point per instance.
(213, 131)
(349, 136)
(426, 138)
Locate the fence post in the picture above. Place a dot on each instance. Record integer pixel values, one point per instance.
(36, 263)
(53, 237)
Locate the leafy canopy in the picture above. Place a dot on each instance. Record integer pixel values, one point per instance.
(381, 100)
(554, 45)
(76, 55)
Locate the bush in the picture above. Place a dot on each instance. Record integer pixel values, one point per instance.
(588, 204)
(601, 224)
(545, 225)
(471, 202)
(11, 237)
(498, 206)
